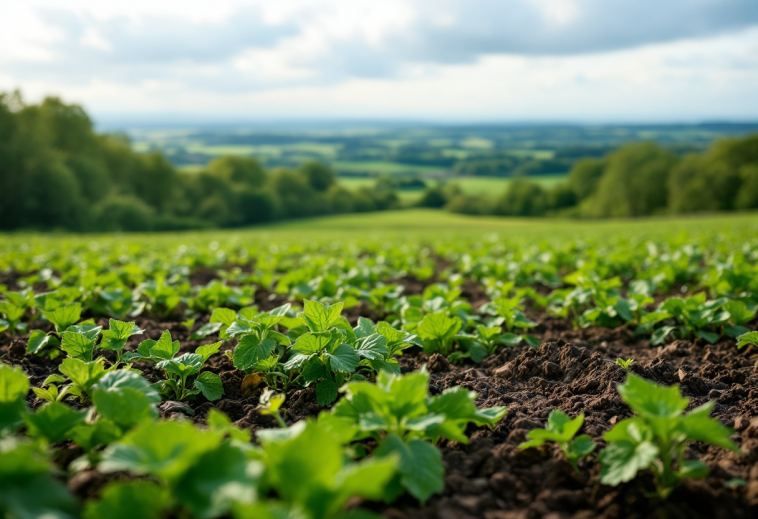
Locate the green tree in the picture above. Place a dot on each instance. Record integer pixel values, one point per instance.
(584, 176)
(124, 213)
(702, 183)
(747, 197)
(522, 198)
(238, 170)
(318, 176)
(434, 196)
(635, 181)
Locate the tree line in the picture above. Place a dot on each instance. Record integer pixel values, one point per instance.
(638, 179)
(56, 172)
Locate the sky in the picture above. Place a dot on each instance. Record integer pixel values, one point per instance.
(431, 60)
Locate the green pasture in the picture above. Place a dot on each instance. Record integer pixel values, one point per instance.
(380, 167)
(414, 224)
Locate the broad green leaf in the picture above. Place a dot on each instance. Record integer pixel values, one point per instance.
(83, 374)
(118, 332)
(373, 347)
(77, 346)
(438, 326)
(739, 312)
(250, 350)
(650, 400)
(313, 370)
(310, 343)
(238, 327)
(183, 365)
(121, 330)
(420, 465)
(210, 385)
(326, 392)
(129, 500)
(319, 317)
(364, 328)
(367, 478)
(621, 460)
(11, 311)
(216, 480)
(296, 361)
(27, 491)
(165, 449)
(304, 463)
(88, 329)
(89, 436)
(206, 330)
(208, 350)
(37, 342)
(343, 358)
(750, 338)
(14, 385)
(164, 348)
(581, 446)
(697, 425)
(125, 398)
(224, 316)
(53, 421)
(64, 316)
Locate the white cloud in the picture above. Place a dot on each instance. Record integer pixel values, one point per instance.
(433, 59)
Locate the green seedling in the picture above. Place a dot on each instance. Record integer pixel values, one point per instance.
(562, 430)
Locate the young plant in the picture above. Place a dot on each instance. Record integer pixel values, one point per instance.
(258, 338)
(323, 355)
(14, 386)
(438, 330)
(193, 472)
(183, 377)
(269, 405)
(49, 390)
(64, 316)
(307, 469)
(694, 317)
(656, 437)
(511, 319)
(739, 315)
(406, 422)
(747, 339)
(624, 363)
(13, 315)
(27, 485)
(561, 429)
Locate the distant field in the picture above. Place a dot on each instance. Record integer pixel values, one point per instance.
(435, 224)
(311, 149)
(389, 168)
(470, 185)
(495, 186)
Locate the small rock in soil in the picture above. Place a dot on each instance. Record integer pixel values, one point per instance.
(437, 364)
(170, 407)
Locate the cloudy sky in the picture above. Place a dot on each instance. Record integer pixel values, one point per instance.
(440, 60)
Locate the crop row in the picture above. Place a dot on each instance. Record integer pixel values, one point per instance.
(378, 441)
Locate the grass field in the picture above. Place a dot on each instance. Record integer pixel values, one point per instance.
(411, 224)
(389, 168)
(429, 222)
(470, 185)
